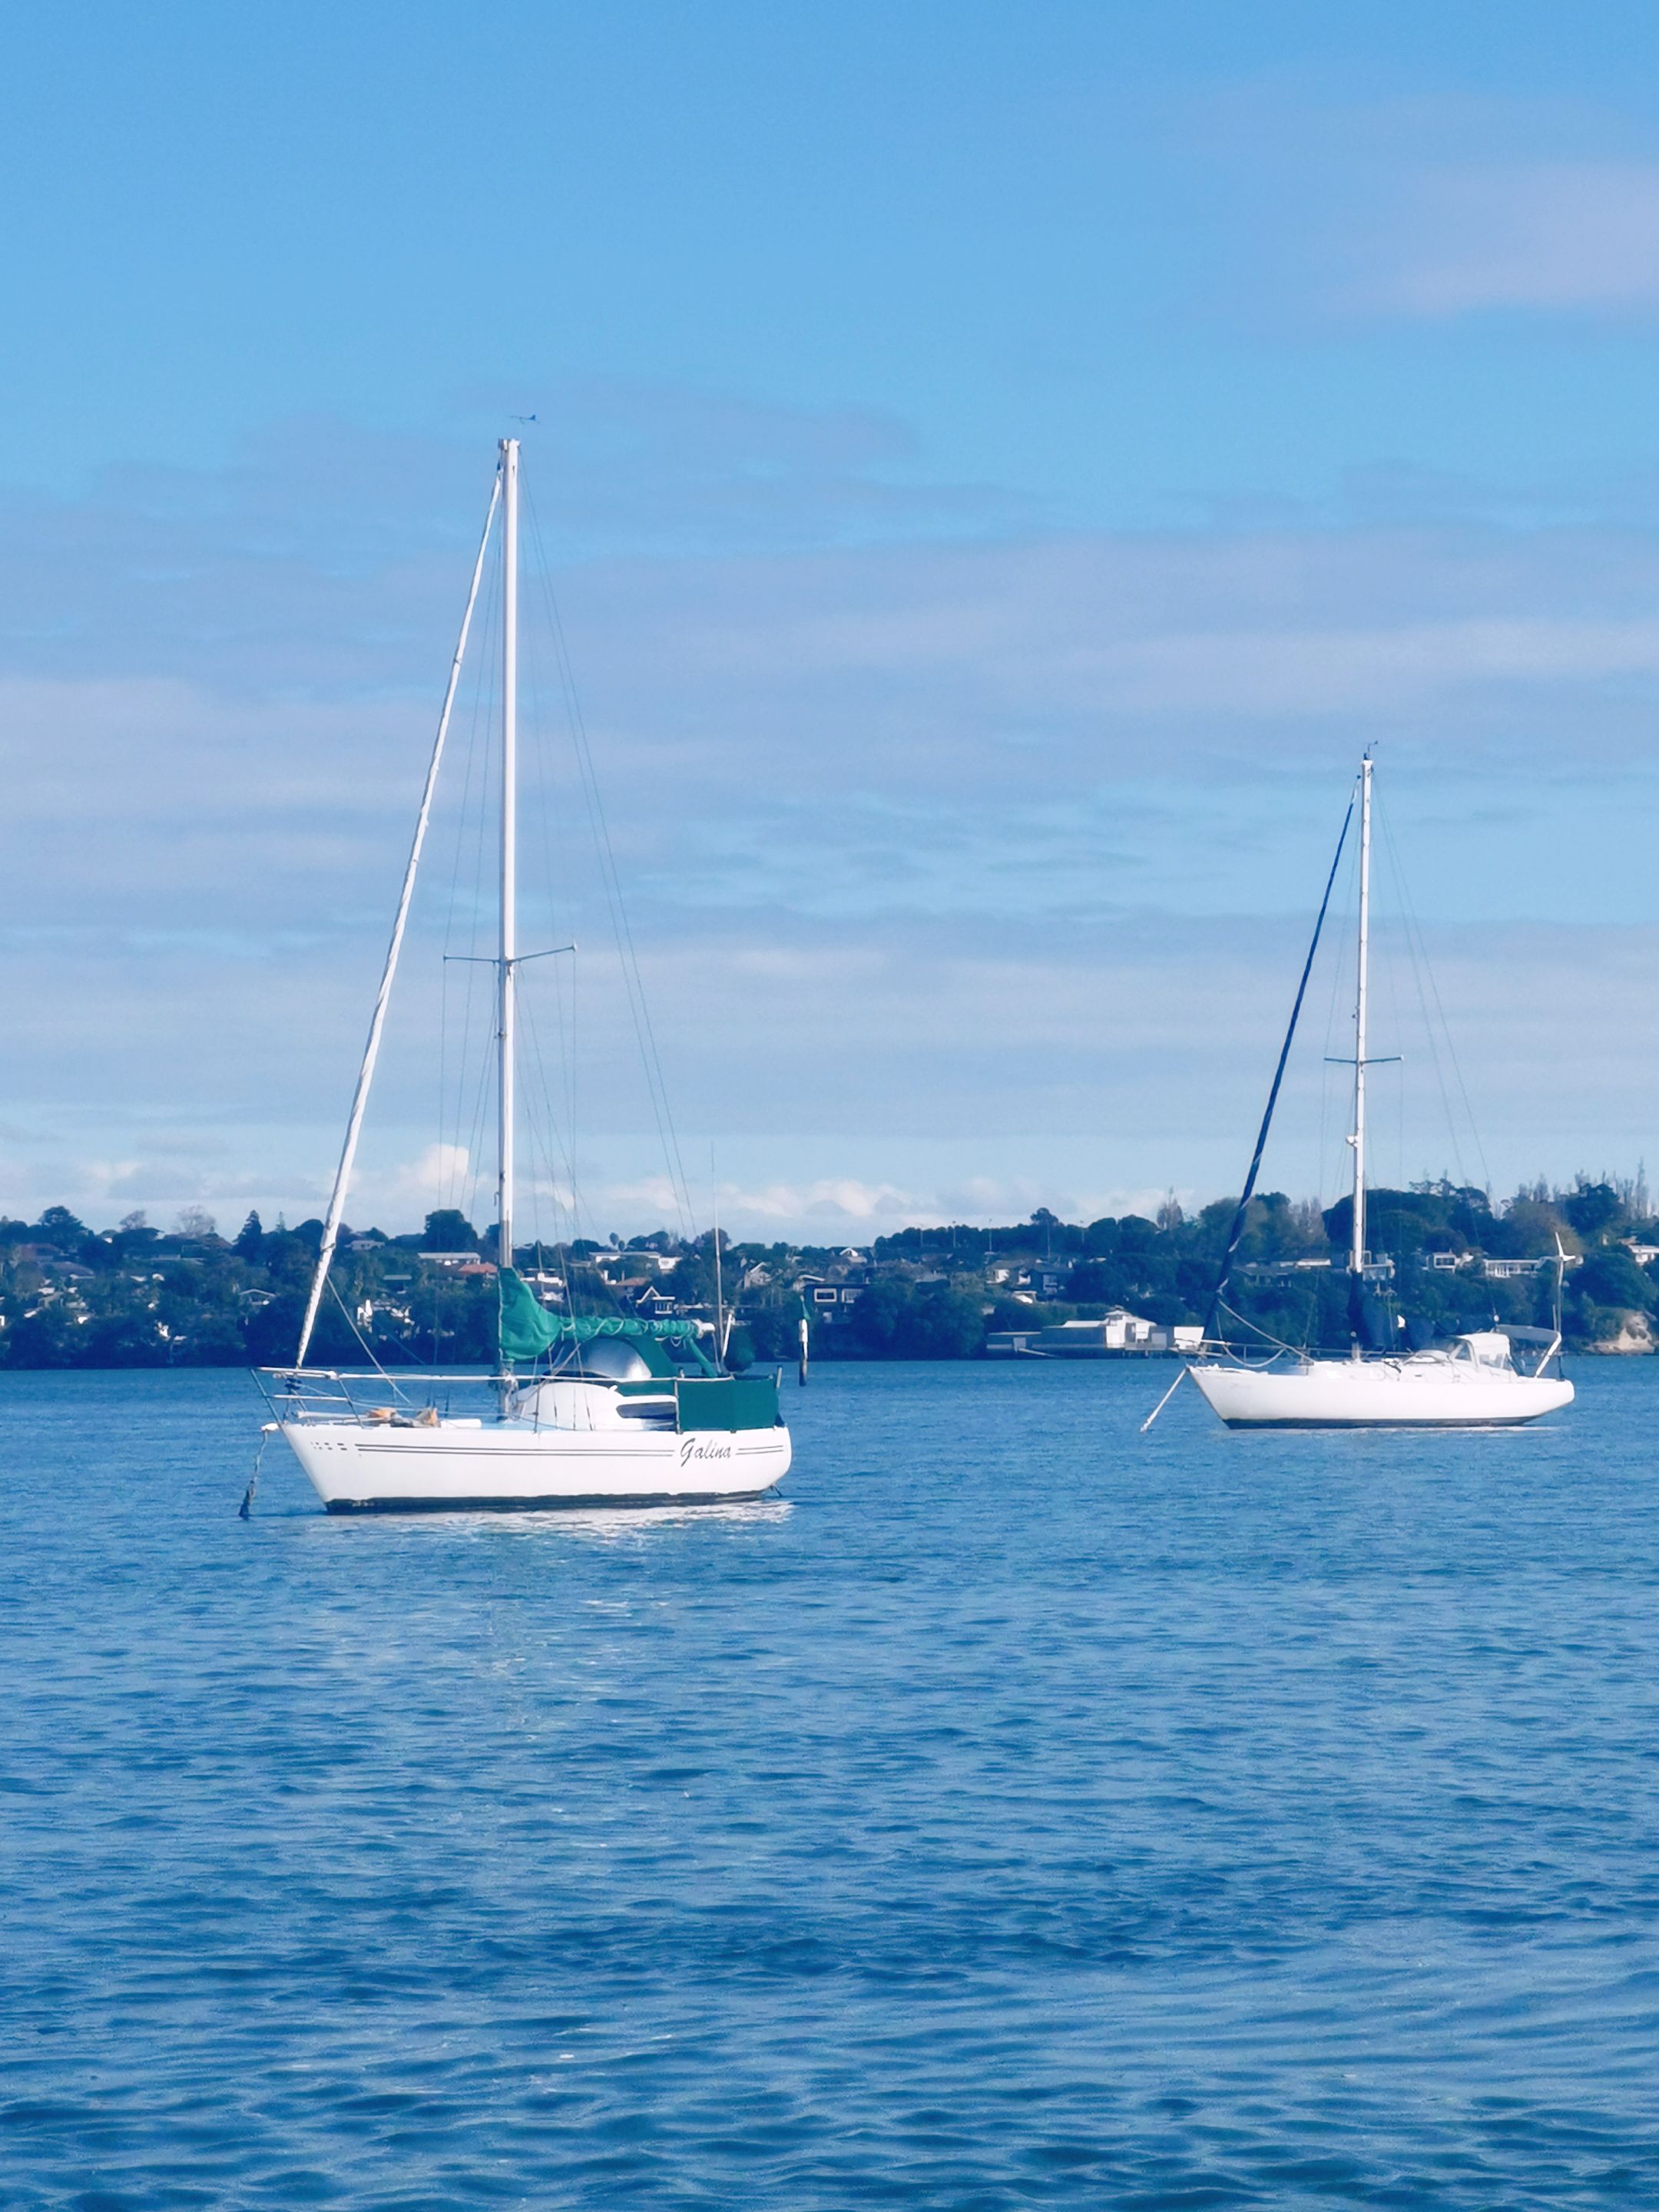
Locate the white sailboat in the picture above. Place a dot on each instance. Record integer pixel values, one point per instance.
(582, 1410)
(1472, 1381)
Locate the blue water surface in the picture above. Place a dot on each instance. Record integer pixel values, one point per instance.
(1020, 1812)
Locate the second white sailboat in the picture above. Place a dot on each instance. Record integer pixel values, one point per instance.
(1472, 1381)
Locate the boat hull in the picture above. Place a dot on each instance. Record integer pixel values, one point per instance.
(362, 1467)
(1342, 1394)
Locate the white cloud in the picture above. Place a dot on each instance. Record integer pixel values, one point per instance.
(833, 1198)
(433, 1179)
(1363, 193)
(1564, 235)
(948, 864)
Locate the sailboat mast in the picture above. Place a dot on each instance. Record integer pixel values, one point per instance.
(1357, 1259)
(508, 953)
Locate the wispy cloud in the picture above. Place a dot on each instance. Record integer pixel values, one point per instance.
(831, 1199)
(1332, 197)
(977, 845)
(432, 1179)
(1553, 235)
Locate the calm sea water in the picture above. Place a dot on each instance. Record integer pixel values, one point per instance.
(1021, 1813)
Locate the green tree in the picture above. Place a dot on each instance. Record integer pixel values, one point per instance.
(774, 1330)
(1100, 1282)
(58, 1227)
(273, 1333)
(1610, 1277)
(1527, 1231)
(881, 1316)
(134, 1235)
(449, 1230)
(1594, 1324)
(213, 1340)
(692, 1283)
(1595, 1210)
(125, 1339)
(944, 1324)
(44, 1339)
(892, 1321)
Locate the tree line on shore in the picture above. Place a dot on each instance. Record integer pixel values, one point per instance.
(71, 1295)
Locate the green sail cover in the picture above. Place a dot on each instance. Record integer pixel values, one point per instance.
(528, 1330)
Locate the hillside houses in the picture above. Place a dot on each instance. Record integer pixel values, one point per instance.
(1134, 1287)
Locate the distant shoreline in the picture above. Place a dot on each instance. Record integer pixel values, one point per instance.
(1443, 1259)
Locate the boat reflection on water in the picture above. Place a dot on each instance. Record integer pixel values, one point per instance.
(616, 1524)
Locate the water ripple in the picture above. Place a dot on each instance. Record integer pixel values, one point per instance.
(1020, 1813)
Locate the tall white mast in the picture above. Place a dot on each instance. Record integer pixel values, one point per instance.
(508, 954)
(1357, 1259)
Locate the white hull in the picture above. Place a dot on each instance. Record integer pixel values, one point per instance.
(356, 1467)
(1427, 1391)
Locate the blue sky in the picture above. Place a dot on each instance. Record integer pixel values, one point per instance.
(1000, 464)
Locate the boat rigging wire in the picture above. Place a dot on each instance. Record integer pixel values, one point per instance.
(1422, 973)
(633, 984)
(552, 1128)
(1240, 1216)
(459, 1170)
(543, 1139)
(388, 976)
(1296, 1351)
(1217, 1305)
(397, 1389)
(1327, 1176)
